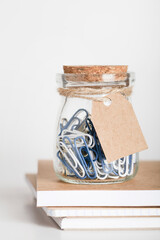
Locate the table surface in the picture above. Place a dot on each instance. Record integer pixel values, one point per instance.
(20, 219)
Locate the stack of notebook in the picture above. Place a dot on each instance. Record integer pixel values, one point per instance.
(130, 205)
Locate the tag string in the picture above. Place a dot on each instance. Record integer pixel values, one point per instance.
(95, 94)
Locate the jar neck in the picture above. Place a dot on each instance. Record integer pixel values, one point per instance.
(95, 87)
(95, 80)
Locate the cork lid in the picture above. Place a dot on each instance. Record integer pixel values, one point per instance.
(96, 69)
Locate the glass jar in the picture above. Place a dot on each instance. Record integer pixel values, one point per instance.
(79, 156)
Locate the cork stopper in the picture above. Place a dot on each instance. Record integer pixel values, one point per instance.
(96, 69)
(94, 73)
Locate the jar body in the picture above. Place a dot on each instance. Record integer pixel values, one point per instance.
(79, 156)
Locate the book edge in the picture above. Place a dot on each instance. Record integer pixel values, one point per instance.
(74, 198)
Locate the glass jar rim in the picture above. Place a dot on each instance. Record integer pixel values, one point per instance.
(67, 80)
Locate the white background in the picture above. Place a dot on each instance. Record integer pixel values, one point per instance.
(38, 37)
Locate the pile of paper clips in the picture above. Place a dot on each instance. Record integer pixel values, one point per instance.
(81, 154)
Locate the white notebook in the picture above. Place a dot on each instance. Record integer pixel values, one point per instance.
(109, 223)
(102, 212)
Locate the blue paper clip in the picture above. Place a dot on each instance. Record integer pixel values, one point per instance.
(107, 168)
(87, 161)
(130, 164)
(75, 122)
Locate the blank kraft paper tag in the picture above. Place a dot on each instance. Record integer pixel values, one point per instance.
(117, 127)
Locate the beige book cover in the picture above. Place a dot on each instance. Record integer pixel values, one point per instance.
(147, 178)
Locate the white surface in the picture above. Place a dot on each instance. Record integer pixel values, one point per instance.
(20, 219)
(99, 198)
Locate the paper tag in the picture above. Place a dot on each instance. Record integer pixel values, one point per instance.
(117, 127)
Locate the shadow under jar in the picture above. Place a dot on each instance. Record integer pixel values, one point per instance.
(79, 156)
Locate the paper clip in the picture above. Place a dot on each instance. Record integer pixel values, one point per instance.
(121, 166)
(75, 121)
(75, 133)
(70, 160)
(131, 164)
(99, 170)
(107, 169)
(61, 158)
(84, 155)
